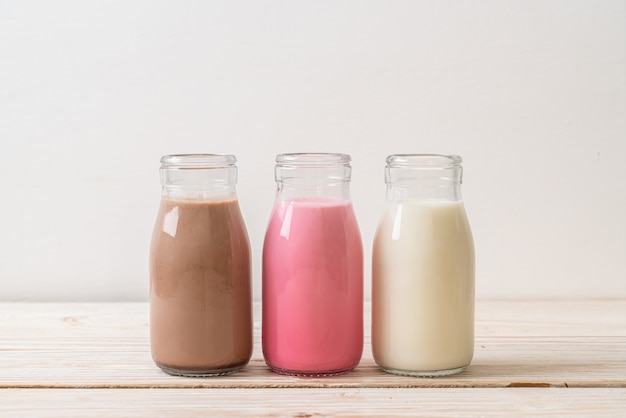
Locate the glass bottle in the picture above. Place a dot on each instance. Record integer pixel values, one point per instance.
(423, 270)
(312, 269)
(200, 280)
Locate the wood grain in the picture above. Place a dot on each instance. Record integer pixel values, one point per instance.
(312, 402)
(518, 345)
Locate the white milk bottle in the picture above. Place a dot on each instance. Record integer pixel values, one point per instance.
(423, 270)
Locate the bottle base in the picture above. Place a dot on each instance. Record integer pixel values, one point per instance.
(424, 373)
(200, 373)
(311, 373)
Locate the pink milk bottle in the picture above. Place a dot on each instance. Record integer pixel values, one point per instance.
(312, 269)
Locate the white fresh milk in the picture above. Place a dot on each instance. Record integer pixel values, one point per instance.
(423, 288)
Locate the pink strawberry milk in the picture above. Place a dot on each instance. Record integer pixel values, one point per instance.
(312, 269)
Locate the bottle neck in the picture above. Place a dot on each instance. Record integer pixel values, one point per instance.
(424, 184)
(313, 176)
(402, 193)
(199, 183)
(305, 189)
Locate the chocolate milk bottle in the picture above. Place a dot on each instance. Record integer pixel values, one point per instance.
(200, 285)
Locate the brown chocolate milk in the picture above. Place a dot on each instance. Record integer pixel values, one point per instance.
(200, 288)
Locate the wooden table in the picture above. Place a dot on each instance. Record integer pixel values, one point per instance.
(563, 358)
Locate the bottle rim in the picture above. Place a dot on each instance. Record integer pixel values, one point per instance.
(198, 161)
(312, 159)
(423, 160)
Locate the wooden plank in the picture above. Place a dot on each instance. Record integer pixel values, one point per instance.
(498, 363)
(501, 318)
(551, 318)
(518, 344)
(521, 402)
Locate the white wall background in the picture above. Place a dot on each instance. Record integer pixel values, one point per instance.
(531, 93)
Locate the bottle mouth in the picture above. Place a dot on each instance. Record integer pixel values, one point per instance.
(423, 161)
(198, 161)
(312, 160)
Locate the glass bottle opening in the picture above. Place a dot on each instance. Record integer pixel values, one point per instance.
(313, 176)
(198, 161)
(424, 177)
(315, 168)
(312, 159)
(423, 161)
(199, 176)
